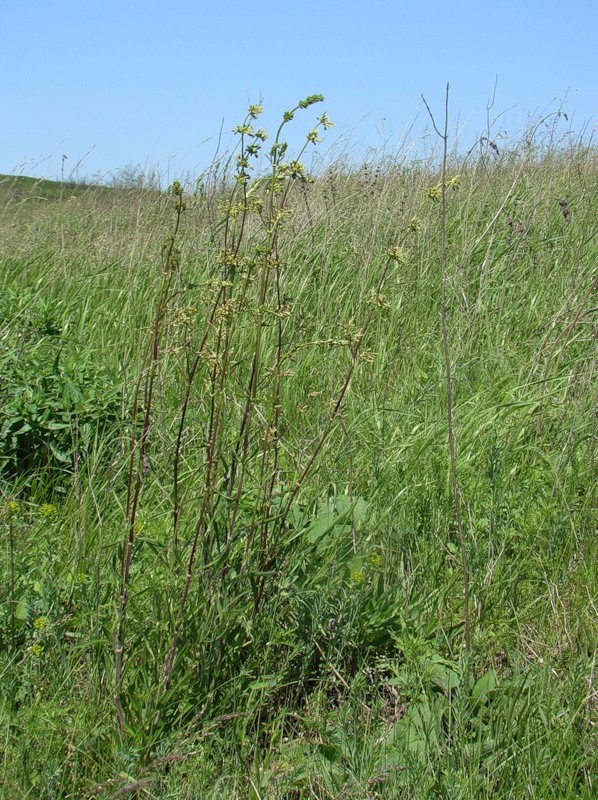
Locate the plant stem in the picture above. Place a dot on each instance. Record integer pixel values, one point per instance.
(447, 365)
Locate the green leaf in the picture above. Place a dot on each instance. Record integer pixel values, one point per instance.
(487, 683)
(22, 609)
(444, 675)
(323, 524)
(60, 454)
(355, 564)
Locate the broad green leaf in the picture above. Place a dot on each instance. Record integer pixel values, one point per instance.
(22, 609)
(487, 683)
(445, 678)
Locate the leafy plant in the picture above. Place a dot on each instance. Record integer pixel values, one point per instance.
(56, 400)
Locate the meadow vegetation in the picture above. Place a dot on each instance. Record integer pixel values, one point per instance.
(231, 561)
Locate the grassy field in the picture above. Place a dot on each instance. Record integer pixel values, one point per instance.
(237, 560)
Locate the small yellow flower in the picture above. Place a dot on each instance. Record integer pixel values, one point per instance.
(377, 299)
(41, 623)
(48, 510)
(36, 650)
(375, 559)
(13, 507)
(244, 130)
(415, 224)
(397, 253)
(357, 577)
(435, 192)
(80, 578)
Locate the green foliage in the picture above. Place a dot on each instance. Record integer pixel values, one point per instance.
(268, 531)
(57, 398)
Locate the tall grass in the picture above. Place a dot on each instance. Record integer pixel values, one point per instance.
(230, 556)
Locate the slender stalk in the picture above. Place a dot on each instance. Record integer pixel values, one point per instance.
(191, 373)
(11, 539)
(447, 366)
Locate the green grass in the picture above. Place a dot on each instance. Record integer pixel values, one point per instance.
(22, 188)
(317, 649)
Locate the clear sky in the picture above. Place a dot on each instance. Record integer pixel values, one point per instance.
(116, 82)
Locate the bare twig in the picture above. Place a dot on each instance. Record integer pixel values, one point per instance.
(447, 364)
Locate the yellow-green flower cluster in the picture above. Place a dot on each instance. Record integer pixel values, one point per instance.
(294, 169)
(435, 192)
(13, 507)
(310, 100)
(48, 510)
(377, 299)
(357, 577)
(397, 253)
(325, 122)
(244, 130)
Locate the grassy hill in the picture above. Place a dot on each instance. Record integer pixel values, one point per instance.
(237, 557)
(22, 187)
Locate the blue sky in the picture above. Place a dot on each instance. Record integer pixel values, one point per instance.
(152, 83)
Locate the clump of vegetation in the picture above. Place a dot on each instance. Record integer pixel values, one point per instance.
(57, 398)
(299, 478)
